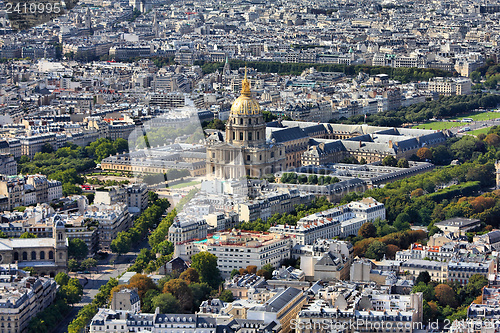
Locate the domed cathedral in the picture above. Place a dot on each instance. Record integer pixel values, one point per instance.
(244, 150)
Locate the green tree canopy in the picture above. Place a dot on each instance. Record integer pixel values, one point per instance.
(206, 265)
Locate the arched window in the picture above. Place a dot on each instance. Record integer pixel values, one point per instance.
(42, 255)
(249, 136)
(16, 256)
(25, 255)
(60, 256)
(241, 135)
(51, 255)
(241, 121)
(59, 236)
(33, 255)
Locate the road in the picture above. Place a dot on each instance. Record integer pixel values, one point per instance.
(105, 270)
(473, 125)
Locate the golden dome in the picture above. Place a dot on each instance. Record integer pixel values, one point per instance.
(245, 104)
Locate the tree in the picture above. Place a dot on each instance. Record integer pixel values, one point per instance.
(147, 302)
(200, 291)
(367, 230)
(376, 250)
(3, 235)
(424, 154)
(27, 235)
(206, 265)
(389, 160)
(426, 289)
(72, 292)
(492, 139)
(122, 243)
(392, 250)
(234, 272)
(226, 296)
(143, 283)
(445, 295)
(62, 278)
(463, 148)
(266, 271)
(73, 265)
(181, 291)
(423, 277)
(312, 179)
(152, 197)
(302, 179)
(70, 189)
(252, 269)
(190, 275)
(47, 148)
(402, 222)
(403, 163)
(167, 303)
(441, 155)
(77, 248)
(417, 193)
(120, 145)
(89, 263)
(104, 150)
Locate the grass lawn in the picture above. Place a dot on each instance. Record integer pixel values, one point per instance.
(483, 130)
(181, 185)
(440, 125)
(476, 116)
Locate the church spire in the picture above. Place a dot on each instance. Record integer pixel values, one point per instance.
(245, 85)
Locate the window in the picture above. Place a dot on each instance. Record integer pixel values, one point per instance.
(25, 255)
(16, 256)
(42, 255)
(248, 157)
(33, 255)
(241, 135)
(241, 121)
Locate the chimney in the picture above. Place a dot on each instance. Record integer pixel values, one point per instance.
(390, 144)
(360, 144)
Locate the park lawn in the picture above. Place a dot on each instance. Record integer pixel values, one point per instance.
(181, 185)
(476, 116)
(483, 130)
(479, 116)
(440, 125)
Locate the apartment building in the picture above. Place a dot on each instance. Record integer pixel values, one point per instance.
(437, 270)
(112, 219)
(239, 249)
(135, 196)
(186, 228)
(22, 298)
(30, 145)
(450, 86)
(339, 221)
(111, 321)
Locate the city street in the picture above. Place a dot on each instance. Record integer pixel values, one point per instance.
(474, 125)
(92, 282)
